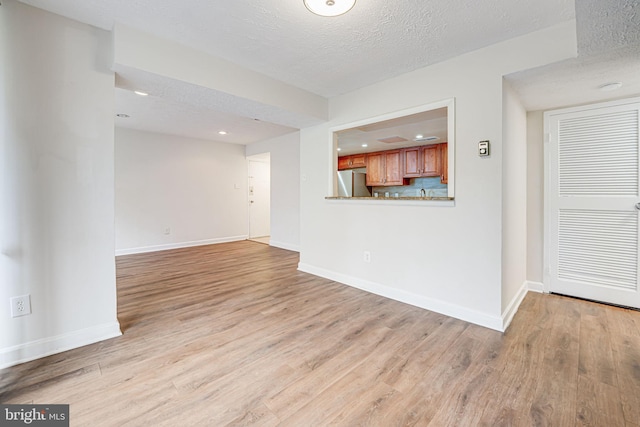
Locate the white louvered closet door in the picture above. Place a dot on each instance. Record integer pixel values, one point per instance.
(593, 200)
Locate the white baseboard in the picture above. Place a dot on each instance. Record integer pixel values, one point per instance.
(283, 245)
(155, 248)
(514, 304)
(47, 346)
(535, 286)
(442, 307)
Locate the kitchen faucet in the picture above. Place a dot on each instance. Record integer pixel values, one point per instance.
(423, 193)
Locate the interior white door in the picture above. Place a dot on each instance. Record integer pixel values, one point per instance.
(592, 196)
(259, 198)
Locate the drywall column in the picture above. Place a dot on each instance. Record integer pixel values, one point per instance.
(514, 202)
(285, 188)
(56, 183)
(535, 200)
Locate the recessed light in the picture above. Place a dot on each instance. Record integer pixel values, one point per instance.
(419, 136)
(122, 115)
(139, 92)
(422, 138)
(339, 149)
(610, 86)
(365, 145)
(222, 132)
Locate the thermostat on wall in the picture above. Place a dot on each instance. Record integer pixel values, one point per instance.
(483, 148)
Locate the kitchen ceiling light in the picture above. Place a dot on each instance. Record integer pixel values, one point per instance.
(364, 145)
(422, 138)
(329, 7)
(339, 149)
(222, 132)
(138, 92)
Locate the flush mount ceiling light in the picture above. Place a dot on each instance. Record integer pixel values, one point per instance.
(610, 86)
(222, 132)
(392, 139)
(141, 93)
(329, 7)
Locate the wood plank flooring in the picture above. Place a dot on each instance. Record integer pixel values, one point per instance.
(233, 334)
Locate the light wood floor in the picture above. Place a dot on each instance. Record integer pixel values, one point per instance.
(233, 334)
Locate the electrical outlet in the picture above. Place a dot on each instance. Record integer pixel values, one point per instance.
(367, 257)
(20, 306)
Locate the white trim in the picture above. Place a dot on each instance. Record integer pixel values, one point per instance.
(535, 286)
(392, 202)
(512, 308)
(452, 310)
(595, 106)
(47, 346)
(283, 245)
(449, 103)
(179, 245)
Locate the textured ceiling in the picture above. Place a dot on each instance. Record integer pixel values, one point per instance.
(376, 40)
(608, 33)
(607, 25)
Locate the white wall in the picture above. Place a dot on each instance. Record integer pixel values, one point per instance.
(535, 199)
(285, 188)
(195, 188)
(514, 201)
(446, 259)
(56, 183)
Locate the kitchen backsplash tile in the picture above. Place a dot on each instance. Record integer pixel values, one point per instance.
(431, 186)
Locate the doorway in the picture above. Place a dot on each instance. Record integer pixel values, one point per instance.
(592, 198)
(259, 167)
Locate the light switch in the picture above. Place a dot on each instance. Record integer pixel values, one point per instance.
(483, 148)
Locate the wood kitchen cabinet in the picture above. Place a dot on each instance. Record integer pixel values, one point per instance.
(411, 160)
(444, 162)
(352, 162)
(385, 168)
(421, 161)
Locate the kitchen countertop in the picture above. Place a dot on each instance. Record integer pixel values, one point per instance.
(389, 198)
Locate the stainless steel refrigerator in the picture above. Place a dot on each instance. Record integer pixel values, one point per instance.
(352, 184)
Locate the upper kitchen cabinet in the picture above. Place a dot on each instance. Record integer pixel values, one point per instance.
(384, 168)
(421, 161)
(444, 162)
(352, 162)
